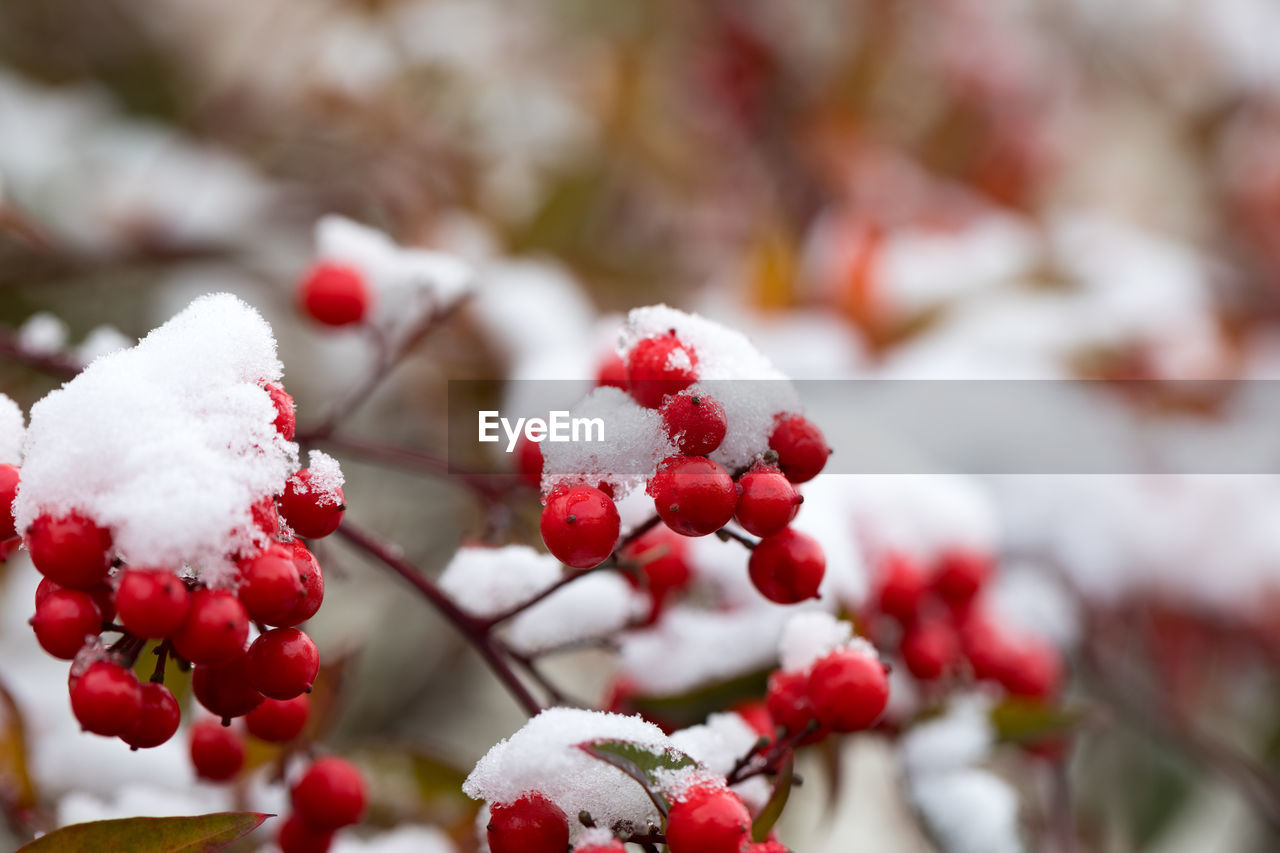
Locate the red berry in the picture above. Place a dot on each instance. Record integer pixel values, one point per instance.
(849, 690)
(693, 495)
(312, 512)
(224, 687)
(70, 550)
(283, 663)
(901, 585)
(217, 752)
(279, 720)
(767, 502)
(985, 647)
(529, 461)
(312, 585)
(9, 476)
(298, 836)
(580, 526)
(158, 719)
(661, 556)
(659, 366)
(151, 603)
(1032, 670)
(614, 846)
(756, 715)
(612, 372)
(266, 517)
(708, 820)
(961, 574)
(334, 294)
(802, 450)
(532, 824)
(930, 649)
(271, 585)
(64, 619)
(330, 794)
(694, 422)
(789, 707)
(767, 847)
(286, 422)
(787, 567)
(215, 629)
(106, 698)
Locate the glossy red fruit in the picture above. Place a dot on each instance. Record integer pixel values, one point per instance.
(224, 688)
(767, 501)
(215, 629)
(694, 422)
(659, 366)
(529, 461)
(612, 372)
(286, 422)
(532, 824)
(767, 847)
(708, 820)
(848, 689)
(330, 794)
(271, 586)
(106, 698)
(298, 836)
(802, 450)
(900, 586)
(279, 720)
(217, 752)
(1032, 670)
(787, 567)
(961, 574)
(151, 602)
(789, 707)
(9, 477)
(693, 495)
(580, 526)
(266, 517)
(614, 846)
(158, 719)
(70, 550)
(661, 555)
(930, 649)
(102, 595)
(312, 584)
(312, 511)
(283, 663)
(334, 294)
(64, 620)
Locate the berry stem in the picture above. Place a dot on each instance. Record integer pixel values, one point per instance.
(724, 534)
(162, 657)
(476, 631)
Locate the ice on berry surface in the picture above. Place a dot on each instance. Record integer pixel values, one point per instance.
(405, 281)
(543, 756)
(169, 443)
(43, 334)
(634, 444)
(717, 745)
(12, 431)
(325, 478)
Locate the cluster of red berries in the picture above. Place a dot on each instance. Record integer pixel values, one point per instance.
(707, 818)
(334, 294)
(942, 633)
(87, 592)
(844, 691)
(692, 494)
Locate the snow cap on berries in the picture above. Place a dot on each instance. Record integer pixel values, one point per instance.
(324, 479)
(812, 635)
(543, 756)
(169, 443)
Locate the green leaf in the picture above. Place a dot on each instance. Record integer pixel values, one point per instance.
(777, 800)
(197, 834)
(1021, 721)
(642, 763)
